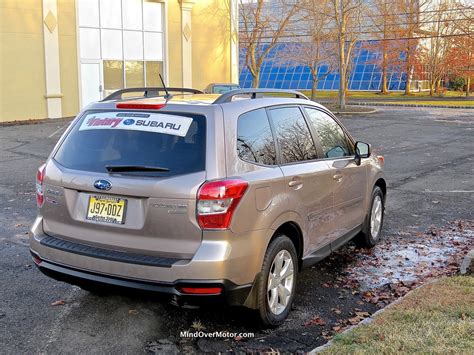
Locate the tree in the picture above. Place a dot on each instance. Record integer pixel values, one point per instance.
(318, 47)
(412, 17)
(262, 27)
(462, 51)
(387, 38)
(346, 16)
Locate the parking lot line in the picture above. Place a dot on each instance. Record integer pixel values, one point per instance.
(57, 131)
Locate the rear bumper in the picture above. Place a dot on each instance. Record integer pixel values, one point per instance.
(231, 293)
(223, 258)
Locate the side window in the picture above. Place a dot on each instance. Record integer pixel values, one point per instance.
(293, 135)
(254, 138)
(333, 140)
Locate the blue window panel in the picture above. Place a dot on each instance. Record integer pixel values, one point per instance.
(357, 76)
(374, 85)
(393, 85)
(367, 76)
(294, 85)
(328, 85)
(264, 77)
(369, 68)
(403, 85)
(365, 85)
(323, 68)
(305, 77)
(274, 70)
(299, 69)
(335, 85)
(354, 85)
(277, 84)
(359, 68)
(320, 85)
(280, 76)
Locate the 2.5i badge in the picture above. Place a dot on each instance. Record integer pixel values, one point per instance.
(134, 121)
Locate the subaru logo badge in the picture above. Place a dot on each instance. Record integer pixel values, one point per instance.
(104, 185)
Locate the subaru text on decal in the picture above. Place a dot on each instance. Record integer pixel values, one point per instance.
(204, 197)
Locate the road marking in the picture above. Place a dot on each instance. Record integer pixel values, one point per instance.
(452, 191)
(57, 131)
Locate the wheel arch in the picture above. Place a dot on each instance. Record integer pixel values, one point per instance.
(293, 231)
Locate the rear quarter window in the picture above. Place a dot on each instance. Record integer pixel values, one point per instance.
(173, 141)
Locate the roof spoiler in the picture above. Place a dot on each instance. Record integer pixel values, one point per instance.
(149, 92)
(258, 93)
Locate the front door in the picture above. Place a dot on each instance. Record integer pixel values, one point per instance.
(91, 82)
(309, 185)
(350, 181)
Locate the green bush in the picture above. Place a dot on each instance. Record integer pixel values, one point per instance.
(457, 83)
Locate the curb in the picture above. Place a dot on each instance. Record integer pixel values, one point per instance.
(354, 113)
(373, 316)
(35, 121)
(401, 105)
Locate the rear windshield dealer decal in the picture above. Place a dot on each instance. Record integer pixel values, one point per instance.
(147, 122)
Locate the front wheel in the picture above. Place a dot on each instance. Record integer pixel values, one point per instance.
(277, 281)
(372, 228)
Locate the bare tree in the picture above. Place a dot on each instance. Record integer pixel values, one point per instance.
(346, 16)
(412, 16)
(262, 27)
(317, 48)
(388, 31)
(462, 52)
(435, 52)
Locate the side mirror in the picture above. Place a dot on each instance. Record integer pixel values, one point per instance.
(362, 150)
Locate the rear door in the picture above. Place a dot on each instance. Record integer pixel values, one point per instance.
(128, 180)
(350, 180)
(309, 183)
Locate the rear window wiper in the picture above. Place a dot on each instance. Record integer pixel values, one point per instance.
(131, 168)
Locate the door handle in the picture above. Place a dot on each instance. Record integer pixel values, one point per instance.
(337, 177)
(296, 182)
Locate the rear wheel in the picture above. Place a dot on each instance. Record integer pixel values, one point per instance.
(277, 281)
(372, 228)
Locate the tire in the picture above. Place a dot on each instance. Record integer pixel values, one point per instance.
(371, 230)
(272, 308)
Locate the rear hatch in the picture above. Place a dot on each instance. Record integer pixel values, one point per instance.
(127, 180)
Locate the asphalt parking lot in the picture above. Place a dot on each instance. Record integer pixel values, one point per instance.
(429, 159)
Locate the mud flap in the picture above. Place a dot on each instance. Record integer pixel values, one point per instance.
(252, 298)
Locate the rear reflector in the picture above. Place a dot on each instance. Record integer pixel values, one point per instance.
(36, 259)
(201, 290)
(140, 106)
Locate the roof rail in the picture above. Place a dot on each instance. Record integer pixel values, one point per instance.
(256, 93)
(149, 92)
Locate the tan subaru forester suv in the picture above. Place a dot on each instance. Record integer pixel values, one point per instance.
(204, 196)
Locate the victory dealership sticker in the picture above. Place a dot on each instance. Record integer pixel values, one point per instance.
(147, 122)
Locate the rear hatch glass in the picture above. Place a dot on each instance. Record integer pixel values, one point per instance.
(135, 143)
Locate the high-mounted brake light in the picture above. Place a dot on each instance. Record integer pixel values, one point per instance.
(39, 185)
(140, 106)
(217, 201)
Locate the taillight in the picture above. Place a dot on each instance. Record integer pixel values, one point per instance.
(39, 185)
(217, 201)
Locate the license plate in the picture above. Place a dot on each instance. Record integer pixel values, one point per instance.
(106, 209)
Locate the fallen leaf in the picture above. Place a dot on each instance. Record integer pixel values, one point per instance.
(58, 303)
(315, 321)
(132, 311)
